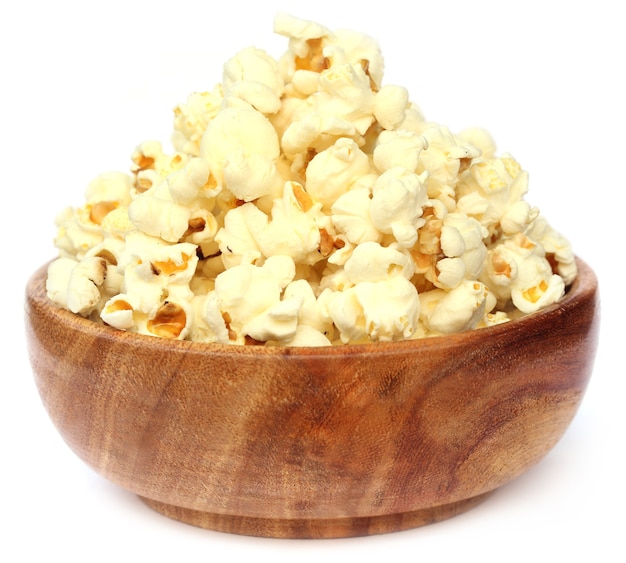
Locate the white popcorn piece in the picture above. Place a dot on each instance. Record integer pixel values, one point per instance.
(361, 49)
(250, 176)
(110, 249)
(191, 182)
(517, 269)
(462, 308)
(376, 311)
(277, 322)
(178, 205)
(481, 139)
(398, 148)
(332, 171)
(557, 248)
(299, 32)
(248, 299)
(309, 44)
(502, 183)
(537, 296)
(192, 117)
(58, 276)
(311, 312)
(241, 147)
(253, 76)
(291, 230)
(307, 336)
(351, 216)
(119, 312)
(80, 229)
(110, 186)
(398, 197)
(390, 105)
(316, 131)
(154, 269)
(76, 232)
(150, 159)
(305, 82)
(463, 237)
(155, 214)
(83, 287)
(414, 120)
(345, 92)
(236, 238)
(442, 159)
(372, 262)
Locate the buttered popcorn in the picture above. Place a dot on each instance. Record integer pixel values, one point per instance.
(306, 203)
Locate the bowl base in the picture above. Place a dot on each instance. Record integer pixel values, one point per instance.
(315, 528)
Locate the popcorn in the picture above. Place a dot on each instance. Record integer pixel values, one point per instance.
(443, 159)
(191, 119)
(372, 262)
(253, 76)
(398, 148)
(383, 310)
(306, 203)
(76, 284)
(397, 200)
(518, 270)
(240, 147)
(247, 299)
(459, 309)
(332, 171)
(390, 105)
(350, 214)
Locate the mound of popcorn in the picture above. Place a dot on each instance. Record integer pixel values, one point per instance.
(306, 203)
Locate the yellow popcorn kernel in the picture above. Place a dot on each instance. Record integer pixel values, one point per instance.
(524, 242)
(98, 211)
(365, 64)
(533, 294)
(328, 243)
(170, 266)
(169, 321)
(314, 59)
(304, 199)
(232, 335)
(118, 305)
(142, 161)
(500, 266)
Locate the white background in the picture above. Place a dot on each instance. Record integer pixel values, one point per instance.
(86, 82)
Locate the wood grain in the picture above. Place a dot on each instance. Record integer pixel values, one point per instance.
(314, 442)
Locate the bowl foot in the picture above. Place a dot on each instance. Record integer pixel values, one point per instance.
(315, 528)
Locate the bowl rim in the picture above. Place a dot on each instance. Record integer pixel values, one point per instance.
(583, 287)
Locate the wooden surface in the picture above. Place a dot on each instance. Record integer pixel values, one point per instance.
(314, 442)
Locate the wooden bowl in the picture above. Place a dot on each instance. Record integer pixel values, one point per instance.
(314, 442)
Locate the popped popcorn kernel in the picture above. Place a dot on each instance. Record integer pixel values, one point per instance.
(169, 321)
(304, 202)
(332, 171)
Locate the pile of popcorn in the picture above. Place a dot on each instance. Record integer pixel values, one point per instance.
(306, 203)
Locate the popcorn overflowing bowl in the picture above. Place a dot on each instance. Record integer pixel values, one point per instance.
(314, 442)
(321, 315)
